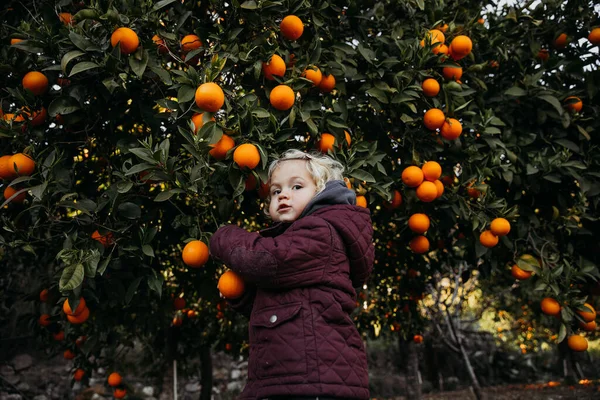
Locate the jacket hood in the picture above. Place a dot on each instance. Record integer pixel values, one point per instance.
(335, 192)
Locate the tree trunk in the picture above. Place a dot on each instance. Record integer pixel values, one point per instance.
(474, 381)
(413, 380)
(206, 373)
(167, 385)
(566, 356)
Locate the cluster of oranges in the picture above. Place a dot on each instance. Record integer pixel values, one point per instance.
(490, 237)
(587, 321)
(115, 381)
(428, 188)
(11, 167)
(79, 315)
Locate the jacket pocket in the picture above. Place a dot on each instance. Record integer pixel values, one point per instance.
(277, 335)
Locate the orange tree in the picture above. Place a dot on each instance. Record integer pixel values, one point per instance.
(133, 127)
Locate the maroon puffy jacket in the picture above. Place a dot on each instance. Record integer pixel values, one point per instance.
(300, 279)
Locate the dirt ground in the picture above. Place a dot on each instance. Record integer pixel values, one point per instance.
(529, 392)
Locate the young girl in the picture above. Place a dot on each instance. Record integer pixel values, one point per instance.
(300, 276)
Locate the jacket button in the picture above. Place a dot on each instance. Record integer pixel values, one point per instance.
(273, 318)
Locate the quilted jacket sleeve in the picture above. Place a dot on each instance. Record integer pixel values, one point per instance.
(244, 304)
(295, 258)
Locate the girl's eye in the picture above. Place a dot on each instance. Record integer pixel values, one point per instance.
(275, 192)
(296, 187)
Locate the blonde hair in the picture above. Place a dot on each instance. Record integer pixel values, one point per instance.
(321, 168)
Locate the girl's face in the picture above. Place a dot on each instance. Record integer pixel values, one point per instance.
(292, 188)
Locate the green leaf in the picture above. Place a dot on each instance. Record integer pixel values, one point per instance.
(378, 94)
(124, 186)
(91, 264)
(164, 196)
(568, 144)
(71, 277)
(130, 210)
(38, 191)
(83, 43)
(63, 105)
(162, 3)
(83, 66)
(562, 333)
(133, 286)
(138, 66)
(249, 5)
(68, 57)
(155, 282)
(185, 93)
(261, 113)
(362, 175)
(147, 250)
(103, 265)
(553, 101)
(515, 91)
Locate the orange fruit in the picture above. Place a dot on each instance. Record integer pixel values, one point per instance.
(210, 97)
(543, 54)
(7, 171)
(433, 36)
(282, 97)
(481, 21)
(412, 176)
(275, 66)
(588, 326)
(419, 244)
(10, 117)
(36, 82)
(327, 83)
(396, 200)
(361, 201)
(15, 40)
(219, 150)
(291, 27)
(488, 239)
(160, 43)
(593, 37)
(68, 355)
(195, 254)
(441, 49)
(44, 295)
(59, 336)
(79, 319)
(314, 74)
(451, 129)
(550, 306)
(105, 240)
(561, 41)
(127, 38)
(36, 118)
(67, 308)
(178, 303)
(500, 227)
(454, 73)
(9, 191)
(431, 171)
(427, 191)
(440, 187)
(418, 339)
(430, 87)
(575, 106)
(418, 223)
(79, 374)
(577, 343)
(231, 285)
(246, 156)
(22, 164)
(198, 121)
(348, 138)
(519, 273)
(587, 315)
(114, 379)
(44, 320)
(119, 393)
(442, 28)
(434, 119)
(66, 18)
(460, 47)
(190, 42)
(326, 142)
(80, 341)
